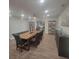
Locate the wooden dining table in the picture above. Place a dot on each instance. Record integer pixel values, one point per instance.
(28, 36)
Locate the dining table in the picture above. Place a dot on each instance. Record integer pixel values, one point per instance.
(27, 36)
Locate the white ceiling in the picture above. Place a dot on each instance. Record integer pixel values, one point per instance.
(33, 7)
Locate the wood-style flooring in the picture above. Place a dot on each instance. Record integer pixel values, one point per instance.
(46, 50)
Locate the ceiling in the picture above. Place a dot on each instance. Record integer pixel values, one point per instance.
(34, 7)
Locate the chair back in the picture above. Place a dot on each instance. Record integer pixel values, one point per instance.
(17, 38)
(41, 35)
(37, 39)
(37, 36)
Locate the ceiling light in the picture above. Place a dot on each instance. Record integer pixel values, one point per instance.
(46, 11)
(41, 1)
(22, 15)
(48, 15)
(34, 18)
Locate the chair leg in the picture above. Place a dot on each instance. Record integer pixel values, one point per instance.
(17, 47)
(21, 49)
(28, 46)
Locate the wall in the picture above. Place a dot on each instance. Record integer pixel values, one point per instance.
(63, 21)
(17, 25)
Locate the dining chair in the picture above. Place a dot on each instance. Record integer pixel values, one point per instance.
(41, 35)
(37, 41)
(38, 38)
(19, 43)
(34, 40)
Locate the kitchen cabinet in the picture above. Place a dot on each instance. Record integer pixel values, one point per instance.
(62, 45)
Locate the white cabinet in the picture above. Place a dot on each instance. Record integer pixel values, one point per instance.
(51, 27)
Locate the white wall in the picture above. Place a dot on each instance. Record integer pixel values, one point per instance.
(17, 25)
(63, 21)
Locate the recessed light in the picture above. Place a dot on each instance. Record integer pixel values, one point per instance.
(22, 15)
(48, 15)
(34, 18)
(46, 11)
(41, 1)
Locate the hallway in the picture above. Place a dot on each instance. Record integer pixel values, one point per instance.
(46, 50)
